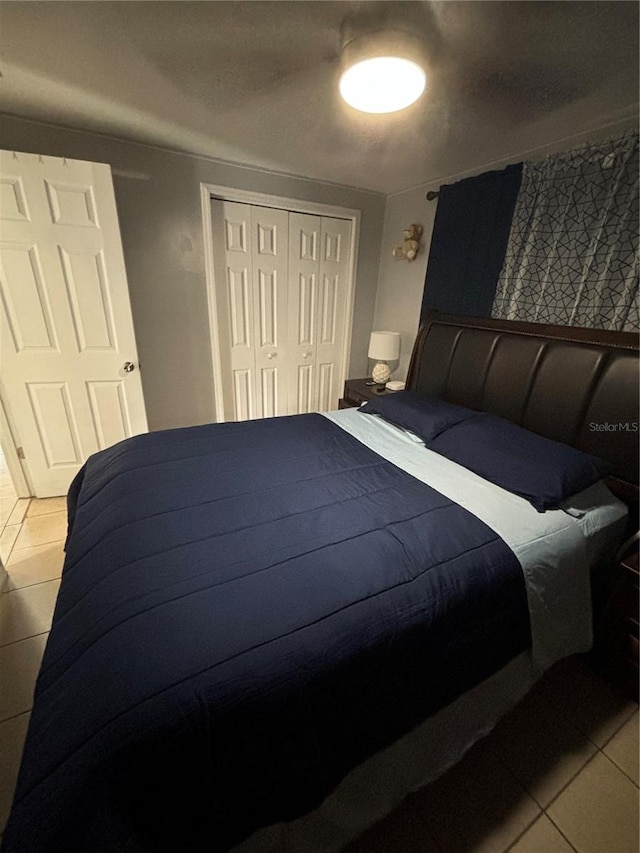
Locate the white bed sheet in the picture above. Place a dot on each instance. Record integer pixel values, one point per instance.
(556, 550)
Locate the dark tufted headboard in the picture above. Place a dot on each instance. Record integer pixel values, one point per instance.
(578, 386)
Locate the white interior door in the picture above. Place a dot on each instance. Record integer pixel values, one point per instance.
(69, 365)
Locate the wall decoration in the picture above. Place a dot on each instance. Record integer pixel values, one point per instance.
(410, 246)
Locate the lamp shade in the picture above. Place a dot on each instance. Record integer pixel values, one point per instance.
(384, 346)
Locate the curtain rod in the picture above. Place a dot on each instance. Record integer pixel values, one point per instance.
(432, 194)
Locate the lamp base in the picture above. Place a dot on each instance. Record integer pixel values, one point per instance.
(381, 373)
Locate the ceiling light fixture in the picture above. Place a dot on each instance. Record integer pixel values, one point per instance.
(383, 71)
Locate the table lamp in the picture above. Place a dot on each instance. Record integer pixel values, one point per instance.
(383, 347)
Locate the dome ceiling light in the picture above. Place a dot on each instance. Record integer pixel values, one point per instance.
(383, 71)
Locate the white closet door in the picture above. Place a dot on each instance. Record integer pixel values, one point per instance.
(269, 246)
(281, 295)
(250, 248)
(234, 294)
(304, 247)
(70, 377)
(332, 309)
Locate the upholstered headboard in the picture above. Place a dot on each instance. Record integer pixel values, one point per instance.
(578, 386)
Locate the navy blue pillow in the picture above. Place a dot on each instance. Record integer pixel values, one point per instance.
(543, 471)
(427, 417)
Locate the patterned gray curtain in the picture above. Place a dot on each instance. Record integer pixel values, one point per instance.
(572, 255)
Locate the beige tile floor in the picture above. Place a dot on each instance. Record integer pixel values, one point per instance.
(558, 774)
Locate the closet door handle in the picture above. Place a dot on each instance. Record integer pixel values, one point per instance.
(271, 355)
(306, 354)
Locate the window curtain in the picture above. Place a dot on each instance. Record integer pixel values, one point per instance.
(469, 240)
(572, 255)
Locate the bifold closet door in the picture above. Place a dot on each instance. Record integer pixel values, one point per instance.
(250, 248)
(281, 295)
(318, 270)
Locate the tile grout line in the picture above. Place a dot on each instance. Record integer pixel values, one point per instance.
(21, 524)
(622, 770)
(15, 716)
(6, 563)
(30, 585)
(15, 499)
(10, 552)
(544, 809)
(624, 773)
(573, 778)
(599, 748)
(530, 793)
(40, 544)
(525, 790)
(24, 514)
(5, 525)
(22, 639)
(525, 830)
(614, 733)
(40, 514)
(583, 768)
(553, 823)
(559, 710)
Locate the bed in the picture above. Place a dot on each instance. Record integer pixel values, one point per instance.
(268, 632)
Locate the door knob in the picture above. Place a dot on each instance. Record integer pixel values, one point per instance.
(271, 355)
(128, 366)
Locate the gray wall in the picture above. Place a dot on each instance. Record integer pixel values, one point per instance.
(401, 283)
(161, 225)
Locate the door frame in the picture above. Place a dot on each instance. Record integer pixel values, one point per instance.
(224, 193)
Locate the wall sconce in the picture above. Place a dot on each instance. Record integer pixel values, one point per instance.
(410, 246)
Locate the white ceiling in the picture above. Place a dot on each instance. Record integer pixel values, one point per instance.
(256, 82)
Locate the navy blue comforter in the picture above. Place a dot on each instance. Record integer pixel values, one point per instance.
(247, 611)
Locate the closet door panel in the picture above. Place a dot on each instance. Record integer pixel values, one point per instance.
(269, 254)
(333, 272)
(232, 234)
(304, 253)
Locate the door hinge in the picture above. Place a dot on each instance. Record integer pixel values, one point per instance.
(20, 452)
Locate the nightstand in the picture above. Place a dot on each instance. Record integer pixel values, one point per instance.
(616, 629)
(357, 391)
